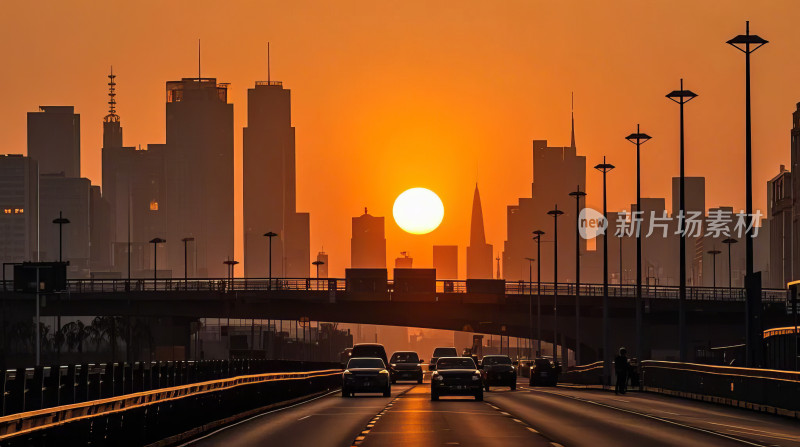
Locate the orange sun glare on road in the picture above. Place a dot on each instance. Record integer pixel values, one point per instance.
(418, 211)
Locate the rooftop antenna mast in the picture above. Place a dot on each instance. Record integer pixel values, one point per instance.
(112, 102)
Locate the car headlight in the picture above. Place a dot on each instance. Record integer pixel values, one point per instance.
(383, 371)
(438, 378)
(394, 365)
(346, 372)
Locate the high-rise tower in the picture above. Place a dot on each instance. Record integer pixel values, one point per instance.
(269, 186)
(479, 253)
(54, 140)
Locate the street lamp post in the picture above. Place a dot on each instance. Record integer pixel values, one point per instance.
(270, 235)
(60, 221)
(155, 242)
(748, 43)
(537, 236)
(530, 305)
(714, 254)
(729, 241)
(681, 97)
(555, 213)
(230, 263)
(605, 168)
(186, 240)
(638, 139)
(577, 194)
(316, 264)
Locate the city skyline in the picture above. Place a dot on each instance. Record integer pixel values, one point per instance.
(384, 124)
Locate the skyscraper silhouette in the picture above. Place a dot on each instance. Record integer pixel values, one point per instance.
(199, 172)
(54, 140)
(368, 243)
(479, 253)
(19, 218)
(269, 192)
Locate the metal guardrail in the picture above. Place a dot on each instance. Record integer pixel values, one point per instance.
(442, 286)
(744, 387)
(137, 418)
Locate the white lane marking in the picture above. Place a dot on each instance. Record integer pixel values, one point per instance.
(533, 430)
(193, 441)
(649, 416)
(304, 417)
(555, 444)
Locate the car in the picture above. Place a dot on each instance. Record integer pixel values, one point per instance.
(456, 376)
(369, 350)
(441, 352)
(405, 365)
(366, 375)
(544, 372)
(344, 356)
(498, 370)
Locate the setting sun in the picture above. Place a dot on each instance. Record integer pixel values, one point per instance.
(418, 211)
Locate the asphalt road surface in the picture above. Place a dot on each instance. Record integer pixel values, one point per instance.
(529, 416)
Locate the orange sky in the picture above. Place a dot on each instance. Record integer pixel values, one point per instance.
(393, 95)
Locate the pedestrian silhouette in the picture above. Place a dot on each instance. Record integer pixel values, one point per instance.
(621, 366)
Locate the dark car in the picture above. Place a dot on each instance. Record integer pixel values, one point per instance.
(544, 372)
(366, 375)
(456, 376)
(498, 370)
(405, 365)
(441, 352)
(369, 350)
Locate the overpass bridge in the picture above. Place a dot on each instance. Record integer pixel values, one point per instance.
(715, 317)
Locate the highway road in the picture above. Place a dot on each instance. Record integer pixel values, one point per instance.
(551, 417)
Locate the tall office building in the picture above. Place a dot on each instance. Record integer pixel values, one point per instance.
(694, 195)
(557, 171)
(404, 261)
(134, 186)
(368, 243)
(779, 212)
(269, 186)
(323, 268)
(199, 173)
(19, 220)
(479, 253)
(71, 198)
(54, 140)
(445, 261)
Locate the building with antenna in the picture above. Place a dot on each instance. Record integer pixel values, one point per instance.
(269, 185)
(368, 242)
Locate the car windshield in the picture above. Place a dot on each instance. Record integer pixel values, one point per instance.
(365, 363)
(455, 363)
(445, 352)
(498, 360)
(368, 351)
(543, 363)
(405, 357)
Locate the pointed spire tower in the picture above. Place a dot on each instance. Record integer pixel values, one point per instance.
(479, 253)
(572, 114)
(112, 128)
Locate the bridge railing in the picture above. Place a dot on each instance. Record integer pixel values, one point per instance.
(442, 286)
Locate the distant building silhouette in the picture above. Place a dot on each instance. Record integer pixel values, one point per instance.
(695, 202)
(445, 261)
(404, 261)
(779, 211)
(557, 171)
(479, 253)
(134, 185)
(795, 192)
(19, 219)
(323, 268)
(99, 231)
(269, 186)
(199, 173)
(368, 242)
(695, 195)
(71, 197)
(54, 140)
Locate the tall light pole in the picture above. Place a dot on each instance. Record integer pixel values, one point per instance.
(230, 263)
(681, 97)
(638, 139)
(577, 194)
(60, 221)
(530, 305)
(155, 242)
(748, 43)
(729, 241)
(186, 240)
(714, 254)
(555, 213)
(605, 168)
(537, 236)
(316, 264)
(270, 235)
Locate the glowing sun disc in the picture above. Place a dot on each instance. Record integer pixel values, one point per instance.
(418, 211)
